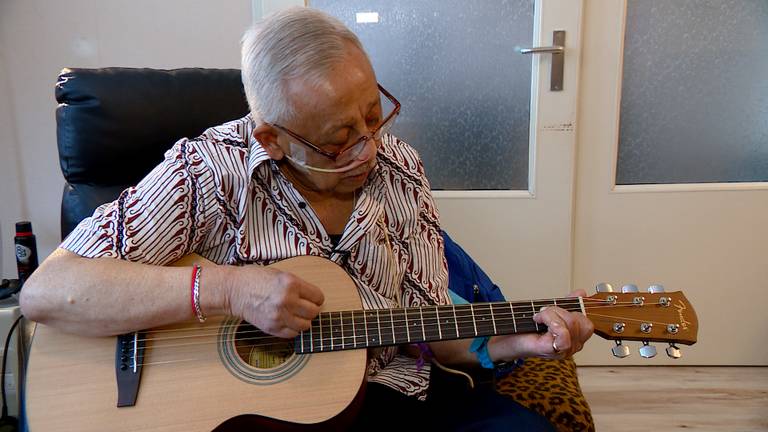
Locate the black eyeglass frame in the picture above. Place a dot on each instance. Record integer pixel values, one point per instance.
(335, 155)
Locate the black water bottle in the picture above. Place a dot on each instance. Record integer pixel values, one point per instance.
(26, 250)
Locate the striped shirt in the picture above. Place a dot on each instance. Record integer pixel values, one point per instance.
(222, 197)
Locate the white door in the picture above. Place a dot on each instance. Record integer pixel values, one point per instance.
(455, 68)
(523, 238)
(709, 239)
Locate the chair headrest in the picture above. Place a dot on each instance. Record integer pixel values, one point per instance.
(114, 124)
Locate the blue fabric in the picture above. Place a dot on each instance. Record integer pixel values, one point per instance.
(454, 408)
(464, 274)
(468, 283)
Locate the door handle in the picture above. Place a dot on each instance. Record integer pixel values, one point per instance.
(543, 50)
(558, 58)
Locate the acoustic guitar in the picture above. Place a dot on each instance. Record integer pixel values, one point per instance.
(194, 377)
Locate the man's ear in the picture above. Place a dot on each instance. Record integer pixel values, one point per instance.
(266, 135)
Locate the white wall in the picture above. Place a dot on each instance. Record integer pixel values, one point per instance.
(38, 38)
(12, 206)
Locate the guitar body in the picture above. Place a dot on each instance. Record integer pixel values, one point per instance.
(196, 376)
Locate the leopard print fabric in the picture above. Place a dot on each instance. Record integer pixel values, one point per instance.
(551, 388)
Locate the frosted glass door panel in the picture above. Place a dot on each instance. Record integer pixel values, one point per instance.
(465, 92)
(694, 104)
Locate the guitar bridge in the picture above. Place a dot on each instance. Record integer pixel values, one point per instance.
(129, 357)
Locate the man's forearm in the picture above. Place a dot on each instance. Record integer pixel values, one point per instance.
(104, 296)
(456, 353)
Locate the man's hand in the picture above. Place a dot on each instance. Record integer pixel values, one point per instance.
(566, 334)
(276, 302)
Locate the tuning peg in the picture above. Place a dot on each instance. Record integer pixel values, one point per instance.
(673, 351)
(629, 288)
(603, 287)
(653, 289)
(647, 351)
(620, 350)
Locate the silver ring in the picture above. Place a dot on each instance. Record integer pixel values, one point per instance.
(554, 347)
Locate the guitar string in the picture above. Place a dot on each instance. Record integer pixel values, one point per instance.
(398, 319)
(359, 316)
(429, 309)
(399, 333)
(565, 301)
(527, 328)
(501, 321)
(267, 352)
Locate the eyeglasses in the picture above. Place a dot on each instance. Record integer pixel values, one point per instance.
(350, 156)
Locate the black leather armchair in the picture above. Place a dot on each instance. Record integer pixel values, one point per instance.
(114, 124)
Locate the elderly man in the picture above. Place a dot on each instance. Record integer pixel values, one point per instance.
(311, 170)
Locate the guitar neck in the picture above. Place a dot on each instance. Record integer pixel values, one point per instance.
(343, 330)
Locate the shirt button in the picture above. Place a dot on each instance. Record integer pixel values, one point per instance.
(302, 205)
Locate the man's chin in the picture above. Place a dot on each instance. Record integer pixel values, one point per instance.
(358, 178)
(359, 173)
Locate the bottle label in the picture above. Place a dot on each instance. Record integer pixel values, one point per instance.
(23, 254)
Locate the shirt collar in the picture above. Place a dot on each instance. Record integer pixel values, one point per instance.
(256, 153)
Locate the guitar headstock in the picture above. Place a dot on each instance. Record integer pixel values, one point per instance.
(653, 316)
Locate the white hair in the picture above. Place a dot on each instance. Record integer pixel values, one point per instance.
(297, 42)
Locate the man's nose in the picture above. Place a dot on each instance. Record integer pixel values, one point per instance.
(368, 151)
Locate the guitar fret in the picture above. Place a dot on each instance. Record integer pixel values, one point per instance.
(341, 323)
(439, 327)
(455, 321)
(311, 336)
(354, 333)
(514, 321)
(354, 329)
(483, 319)
(464, 320)
(331, 328)
(493, 319)
(365, 319)
(524, 317)
(414, 322)
(379, 324)
(321, 332)
(372, 321)
(407, 326)
(385, 331)
(431, 324)
(359, 328)
(423, 333)
(392, 321)
(395, 320)
(502, 322)
(330, 317)
(474, 323)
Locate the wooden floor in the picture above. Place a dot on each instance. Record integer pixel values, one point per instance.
(667, 398)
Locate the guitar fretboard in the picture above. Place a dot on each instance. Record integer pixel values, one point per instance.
(342, 330)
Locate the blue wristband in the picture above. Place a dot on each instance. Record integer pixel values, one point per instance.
(480, 348)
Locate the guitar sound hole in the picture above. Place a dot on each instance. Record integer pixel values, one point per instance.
(259, 349)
